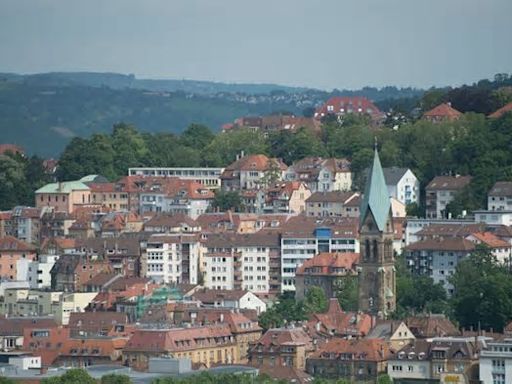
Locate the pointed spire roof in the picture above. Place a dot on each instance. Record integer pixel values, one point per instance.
(376, 196)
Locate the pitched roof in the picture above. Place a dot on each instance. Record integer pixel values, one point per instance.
(490, 240)
(500, 112)
(14, 326)
(440, 183)
(348, 104)
(95, 322)
(359, 349)
(376, 197)
(284, 336)
(443, 244)
(253, 163)
(171, 221)
(229, 240)
(10, 243)
(444, 110)
(63, 187)
(4, 148)
(325, 262)
(394, 174)
(501, 188)
(208, 296)
(331, 196)
(433, 325)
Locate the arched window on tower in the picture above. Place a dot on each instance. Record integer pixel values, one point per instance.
(388, 250)
(367, 250)
(375, 250)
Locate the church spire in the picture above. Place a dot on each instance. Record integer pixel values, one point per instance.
(376, 196)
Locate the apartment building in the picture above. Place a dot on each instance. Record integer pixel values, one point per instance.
(402, 184)
(333, 203)
(172, 258)
(441, 191)
(499, 197)
(304, 237)
(496, 362)
(321, 175)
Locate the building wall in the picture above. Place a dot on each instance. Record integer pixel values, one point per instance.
(9, 262)
(496, 363)
(499, 203)
(63, 202)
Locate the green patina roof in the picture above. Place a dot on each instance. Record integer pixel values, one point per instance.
(376, 195)
(64, 187)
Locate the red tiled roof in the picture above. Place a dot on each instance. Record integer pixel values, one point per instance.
(360, 349)
(324, 263)
(500, 112)
(444, 244)
(10, 243)
(254, 163)
(443, 110)
(490, 240)
(4, 148)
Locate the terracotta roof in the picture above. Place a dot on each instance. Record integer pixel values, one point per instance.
(431, 326)
(10, 243)
(276, 337)
(500, 112)
(360, 349)
(5, 215)
(440, 183)
(450, 230)
(178, 339)
(4, 148)
(444, 110)
(101, 279)
(95, 323)
(102, 187)
(325, 263)
(233, 240)
(285, 373)
(501, 188)
(304, 226)
(336, 321)
(444, 244)
(490, 240)
(331, 197)
(14, 326)
(171, 221)
(253, 163)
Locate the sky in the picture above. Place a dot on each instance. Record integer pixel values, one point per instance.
(345, 44)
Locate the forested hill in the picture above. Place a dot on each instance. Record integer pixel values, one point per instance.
(43, 112)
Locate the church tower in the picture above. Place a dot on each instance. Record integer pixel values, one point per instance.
(377, 285)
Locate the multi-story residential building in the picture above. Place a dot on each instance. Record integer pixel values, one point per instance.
(496, 362)
(395, 332)
(442, 112)
(438, 258)
(329, 271)
(12, 330)
(499, 197)
(321, 174)
(402, 185)
(441, 191)
(280, 347)
(341, 106)
(438, 360)
(492, 217)
(208, 345)
(63, 196)
(333, 203)
(15, 255)
(252, 172)
(174, 196)
(304, 237)
(172, 258)
(414, 227)
(26, 224)
(71, 272)
(358, 360)
(109, 196)
(241, 261)
(286, 197)
(208, 177)
(39, 276)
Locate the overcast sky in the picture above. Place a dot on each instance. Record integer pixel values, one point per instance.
(317, 43)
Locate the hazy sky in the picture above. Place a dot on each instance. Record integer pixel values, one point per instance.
(318, 43)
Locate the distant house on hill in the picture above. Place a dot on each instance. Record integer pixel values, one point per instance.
(500, 112)
(341, 106)
(443, 112)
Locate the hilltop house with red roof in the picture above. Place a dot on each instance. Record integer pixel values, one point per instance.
(251, 172)
(12, 149)
(443, 112)
(345, 105)
(500, 112)
(325, 270)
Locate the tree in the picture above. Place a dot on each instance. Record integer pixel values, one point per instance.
(73, 376)
(197, 136)
(129, 148)
(315, 301)
(348, 293)
(384, 379)
(115, 379)
(227, 200)
(6, 380)
(285, 309)
(483, 292)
